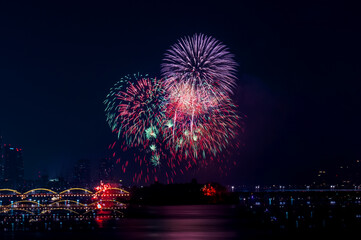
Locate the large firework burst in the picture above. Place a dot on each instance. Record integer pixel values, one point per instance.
(186, 119)
(135, 109)
(201, 61)
(206, 133)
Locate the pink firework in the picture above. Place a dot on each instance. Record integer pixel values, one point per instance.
(203, 131)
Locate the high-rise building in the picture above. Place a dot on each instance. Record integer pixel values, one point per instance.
(11, 166)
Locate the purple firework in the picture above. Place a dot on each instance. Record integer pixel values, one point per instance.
(201, 61)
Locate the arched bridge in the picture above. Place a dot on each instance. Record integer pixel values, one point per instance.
(42, 201)
(7, 192)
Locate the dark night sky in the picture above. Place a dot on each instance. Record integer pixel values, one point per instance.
(299, 77)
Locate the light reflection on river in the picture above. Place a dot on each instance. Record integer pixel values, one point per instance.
(164, 222)
(180, 222)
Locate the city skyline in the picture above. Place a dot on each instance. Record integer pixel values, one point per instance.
(344, 174)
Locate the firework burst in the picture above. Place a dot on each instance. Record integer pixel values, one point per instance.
(184, 120)
(201, 61)
(206, 133)
(135, 109)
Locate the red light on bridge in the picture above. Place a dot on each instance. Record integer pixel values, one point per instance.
(102, 187)
(208, 190)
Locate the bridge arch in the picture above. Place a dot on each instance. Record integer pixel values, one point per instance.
(79, 189)
(9, 190)
(119, 189)
(105, 200)
(40, 189)
(24, 201)
(18, 210)
(103, 209)
(51, 204)
(56, 209)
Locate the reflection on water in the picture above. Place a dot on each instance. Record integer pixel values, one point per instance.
(179, 222)
(163, 222)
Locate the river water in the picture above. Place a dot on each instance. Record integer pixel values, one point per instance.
(189, 222)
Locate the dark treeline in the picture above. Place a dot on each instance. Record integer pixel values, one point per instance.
(186, 193)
